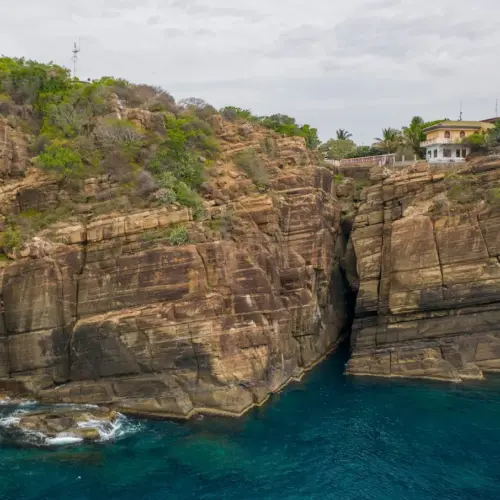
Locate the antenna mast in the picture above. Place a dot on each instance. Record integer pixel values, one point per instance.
(76, 51)
(460, 119)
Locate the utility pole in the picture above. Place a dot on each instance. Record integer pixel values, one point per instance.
(76, 51)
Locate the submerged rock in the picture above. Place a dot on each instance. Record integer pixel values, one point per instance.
(66, 426)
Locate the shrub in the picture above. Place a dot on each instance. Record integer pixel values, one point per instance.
(119, 133)
(189, 198)
(493, 196)
(270, 147)
(461, 188)
(24, 81)
(476, 142)
(166, 196)
(7, 106)
(224, 223)
(10, 238)
(178, 236)
(66, 120)
(183, 167)
(338, 178)
(61, 160)
(232, 113)
(38, 144)
(146, 183)
(252, 165)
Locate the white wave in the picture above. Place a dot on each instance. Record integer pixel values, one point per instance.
(9, 421)
(109, 431)
(26, 403)
(63, 440)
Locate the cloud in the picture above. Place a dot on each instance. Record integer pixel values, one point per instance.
(360, 65)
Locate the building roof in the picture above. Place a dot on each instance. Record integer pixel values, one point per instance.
(458, 125)
(491, 120)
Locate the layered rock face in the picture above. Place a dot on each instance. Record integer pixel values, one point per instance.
(108, 311)
(428, 274)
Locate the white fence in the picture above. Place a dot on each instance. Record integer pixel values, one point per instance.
(379, 160)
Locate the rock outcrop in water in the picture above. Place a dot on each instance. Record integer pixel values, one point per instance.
(106, 310)
(428, 273)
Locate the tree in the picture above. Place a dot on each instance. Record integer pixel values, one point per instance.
(310, 134)
(337, 149)
(413, 135)
(363, 151)
(493, 136)
(343, 134)
(476, 142)
(389, 142)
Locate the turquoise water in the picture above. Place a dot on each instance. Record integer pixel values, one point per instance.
(330, 437)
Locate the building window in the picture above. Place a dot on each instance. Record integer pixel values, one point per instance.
(447, 134)
(435, 153)
(458, 153)
(429, 153)
(464, 153)
(462, 134)
(447, 153)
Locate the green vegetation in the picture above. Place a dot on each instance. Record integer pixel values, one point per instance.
(282, 124)
(337, 149)
(361, 151)
(476, 142)
(342, 134)
(461, 188)
(178, 236)
(338, 178)
(22, 227)
(224, 223)
(252, 165)
(493, 197)
(413, 135)
(390, 141)
(10, 238)
(270, 147)
(61, 160)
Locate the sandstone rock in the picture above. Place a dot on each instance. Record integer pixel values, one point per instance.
(96, 312)
(431, 283)
(69, 423)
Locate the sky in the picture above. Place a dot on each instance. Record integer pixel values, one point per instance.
(360, 65)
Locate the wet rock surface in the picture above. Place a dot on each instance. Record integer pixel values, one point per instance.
(60, 424)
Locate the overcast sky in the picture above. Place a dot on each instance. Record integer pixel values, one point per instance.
(357, 64)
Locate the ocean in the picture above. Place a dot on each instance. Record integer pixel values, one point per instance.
(328, 437)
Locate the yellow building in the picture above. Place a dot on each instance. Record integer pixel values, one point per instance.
(443, 141)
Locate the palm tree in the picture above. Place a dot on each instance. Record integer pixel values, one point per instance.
(390, 141)
(413, 135)
(343, 134)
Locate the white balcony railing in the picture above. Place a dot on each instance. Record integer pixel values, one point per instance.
(440, 141)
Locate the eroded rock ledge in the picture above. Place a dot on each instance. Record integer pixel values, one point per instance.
(427, 247)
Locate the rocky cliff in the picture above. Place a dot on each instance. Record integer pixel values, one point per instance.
(107, 309)
(424, 257)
